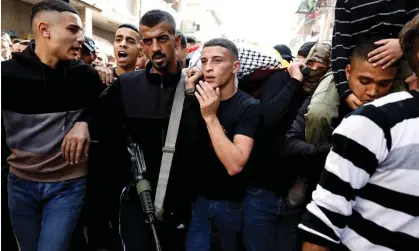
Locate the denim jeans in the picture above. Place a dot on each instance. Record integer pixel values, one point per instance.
(269, 223)
(43, 214)
(224, 216)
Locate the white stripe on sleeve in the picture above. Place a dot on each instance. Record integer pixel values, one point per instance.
(388, 218)
(361, 129)
(346, 170)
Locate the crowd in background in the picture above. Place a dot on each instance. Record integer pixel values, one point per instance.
(318, 153)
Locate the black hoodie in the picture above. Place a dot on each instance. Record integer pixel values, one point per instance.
(39, 107)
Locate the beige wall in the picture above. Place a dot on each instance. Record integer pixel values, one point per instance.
(104, 39)
(15, 16)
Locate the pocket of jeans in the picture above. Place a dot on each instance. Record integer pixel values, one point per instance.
(254, 190)
(234, 206)
(12, 177)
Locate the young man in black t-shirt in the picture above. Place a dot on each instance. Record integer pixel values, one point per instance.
(227, 119)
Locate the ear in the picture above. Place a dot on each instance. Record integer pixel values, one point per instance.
(178, 39)
(43, 29)
(138, 50)
(348, 71)
(236, 67)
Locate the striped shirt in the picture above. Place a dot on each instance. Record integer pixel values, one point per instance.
(354, 18)
(368, 195)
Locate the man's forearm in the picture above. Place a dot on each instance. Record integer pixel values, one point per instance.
(307, 246)
(228, 153)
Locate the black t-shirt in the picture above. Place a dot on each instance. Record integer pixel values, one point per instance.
(237, 115)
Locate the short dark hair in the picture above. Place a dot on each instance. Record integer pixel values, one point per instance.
(407, 35)
(191, 40)
(129, 26)
(16, 41)
(25, 42)
(154, 17)
(365, 45)
(225, 43)
(51, 5)
(305, 49)
(183, 42)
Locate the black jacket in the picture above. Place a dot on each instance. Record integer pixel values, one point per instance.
(280, 100)
(308, 159)
(139, 104)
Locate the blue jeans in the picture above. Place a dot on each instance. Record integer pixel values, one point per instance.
(269, 223)
(224, 216)
(44, 215)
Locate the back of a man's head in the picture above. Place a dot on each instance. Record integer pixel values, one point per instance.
(305, 49)
(409, 41)
(155, 17)
(183, 41)
(225, 43)
(191, 41)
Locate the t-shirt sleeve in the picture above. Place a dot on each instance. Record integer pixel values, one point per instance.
(249, 121)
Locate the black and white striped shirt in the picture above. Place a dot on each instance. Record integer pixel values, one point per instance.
(354, 18)
(368, 195)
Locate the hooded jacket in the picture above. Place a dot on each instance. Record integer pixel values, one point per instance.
(40, 105)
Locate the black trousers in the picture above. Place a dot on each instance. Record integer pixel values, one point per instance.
(106, 179)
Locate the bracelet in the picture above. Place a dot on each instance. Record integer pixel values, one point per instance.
(190, 91)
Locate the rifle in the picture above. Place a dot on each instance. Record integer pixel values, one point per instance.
(143, 188)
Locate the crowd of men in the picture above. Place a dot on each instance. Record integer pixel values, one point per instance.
(320, 156)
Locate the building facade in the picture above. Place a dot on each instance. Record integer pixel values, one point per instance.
(100, 18)
(315, 22)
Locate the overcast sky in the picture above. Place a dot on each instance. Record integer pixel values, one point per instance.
(267, 22)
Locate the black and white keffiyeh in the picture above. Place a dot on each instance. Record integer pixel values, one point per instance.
(252, 57)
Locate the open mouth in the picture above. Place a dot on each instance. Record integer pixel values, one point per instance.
(75, 50)
(122, 54)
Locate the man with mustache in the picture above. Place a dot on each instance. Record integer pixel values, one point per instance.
(139, 104)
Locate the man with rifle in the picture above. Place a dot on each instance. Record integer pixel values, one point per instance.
(139, 105)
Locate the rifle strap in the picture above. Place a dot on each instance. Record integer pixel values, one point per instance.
(169, 146)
